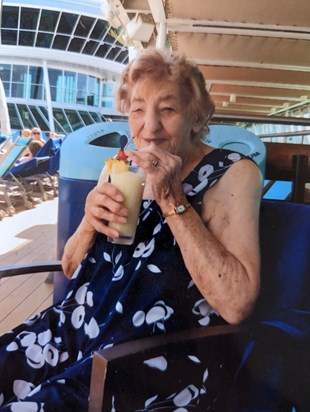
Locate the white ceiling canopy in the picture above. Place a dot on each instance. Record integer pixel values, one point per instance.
(255, 56)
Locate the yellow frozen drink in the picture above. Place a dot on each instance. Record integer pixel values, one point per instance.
(129, 180)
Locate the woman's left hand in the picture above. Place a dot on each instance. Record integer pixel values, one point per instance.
(163, 173)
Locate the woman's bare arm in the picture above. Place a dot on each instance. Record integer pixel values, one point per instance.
(221, 249)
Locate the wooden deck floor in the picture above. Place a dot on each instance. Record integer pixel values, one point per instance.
(28, 236)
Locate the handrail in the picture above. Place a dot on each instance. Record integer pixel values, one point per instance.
(27, 268)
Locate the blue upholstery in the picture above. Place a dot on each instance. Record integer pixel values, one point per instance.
(274, 373)
(285, 250)
(47, 160)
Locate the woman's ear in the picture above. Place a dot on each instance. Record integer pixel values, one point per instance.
(197, 124)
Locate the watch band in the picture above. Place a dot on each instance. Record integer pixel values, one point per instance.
(178, 209)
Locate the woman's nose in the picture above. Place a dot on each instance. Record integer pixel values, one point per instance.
(152, 121)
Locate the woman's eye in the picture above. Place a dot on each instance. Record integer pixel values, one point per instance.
(168, 109)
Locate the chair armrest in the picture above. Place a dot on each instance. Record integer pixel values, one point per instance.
(132, 351)
(26, 268)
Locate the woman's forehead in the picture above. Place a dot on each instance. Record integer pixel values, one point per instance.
(162, 89)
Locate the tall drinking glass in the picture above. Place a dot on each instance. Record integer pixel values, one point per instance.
(131, 184)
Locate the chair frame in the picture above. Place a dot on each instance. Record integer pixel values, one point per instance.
(288, 162)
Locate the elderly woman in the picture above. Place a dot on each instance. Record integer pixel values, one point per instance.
(195, 260)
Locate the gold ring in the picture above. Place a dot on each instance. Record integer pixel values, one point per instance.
(155, 162)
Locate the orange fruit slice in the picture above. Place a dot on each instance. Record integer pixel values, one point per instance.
(115, 165)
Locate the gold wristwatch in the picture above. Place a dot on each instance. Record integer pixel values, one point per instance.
(178, 210)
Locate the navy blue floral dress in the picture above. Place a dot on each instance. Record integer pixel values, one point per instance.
(117, 294)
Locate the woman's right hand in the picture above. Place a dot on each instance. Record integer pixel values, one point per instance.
(103, 205)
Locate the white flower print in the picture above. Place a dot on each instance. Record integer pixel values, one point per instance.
(186, 396)
(156, 229)
(44, 337)
(12, 347)
(194, 359)
(22, 388)
(204, 172)
(78, 316)
(202, 308)
(144, 250)
(50, 354)
(153, 268)
(160, 363)
(34, 354)
(118, 274)
(156, 316)
(234, 157)
(39, 349)
(28, 339)
(119, 307)
(150, 400)
(26, 407)
(80, 295)
(92, 328)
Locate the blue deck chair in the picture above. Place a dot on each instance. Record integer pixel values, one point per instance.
(10, 187)
(41, 172)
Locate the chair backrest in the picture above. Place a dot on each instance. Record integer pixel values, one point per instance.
(285, 266)
(288, 162)
(5, 148)
(282, 312)
(15, 152)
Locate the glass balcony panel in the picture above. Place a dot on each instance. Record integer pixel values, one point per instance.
(74, 119)
(48, 21)
(25, 115)
(84, 26)
(19, 73)
(61, 42)
(67, 23)
(62, 120)
(96, 117)
(14, 118)
(86, 118)
(36, 91)
(44, 40)
(39, 118)
(76, 45)
(102, 50)
(113, 53)
(5, 72)
(26, 38)
(10, 17)
(90, 47)
(99, 30)
(9, 37)
(36, 74)
(29, 18)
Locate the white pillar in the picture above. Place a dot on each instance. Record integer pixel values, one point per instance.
(5, 123)
(161, 41)
(48, 97)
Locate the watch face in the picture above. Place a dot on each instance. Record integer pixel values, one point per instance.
(180, 209)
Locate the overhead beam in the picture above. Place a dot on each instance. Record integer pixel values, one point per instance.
(240, 32)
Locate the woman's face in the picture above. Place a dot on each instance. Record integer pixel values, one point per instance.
(158, 114)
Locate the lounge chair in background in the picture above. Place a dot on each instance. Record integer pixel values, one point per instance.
(40, 174)
(10, 187)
